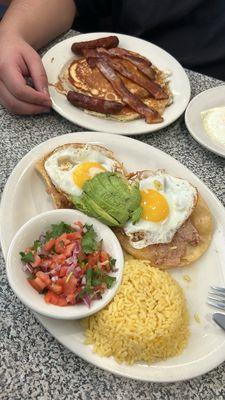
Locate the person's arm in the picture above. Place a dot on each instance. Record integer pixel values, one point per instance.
(29, 24)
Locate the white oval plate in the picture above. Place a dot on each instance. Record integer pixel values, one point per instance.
(61, 53)
(206, 347)
(210, 98)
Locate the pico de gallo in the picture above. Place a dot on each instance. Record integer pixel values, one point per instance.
(68, 265)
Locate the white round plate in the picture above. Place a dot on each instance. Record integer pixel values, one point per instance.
(206, 346)
(61, 53)
(210, 98)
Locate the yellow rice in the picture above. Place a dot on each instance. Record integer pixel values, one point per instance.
(146, 321)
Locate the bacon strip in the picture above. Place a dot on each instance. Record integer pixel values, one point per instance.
(106, 42)
(142, 63)
(153, 88)
(150, 115)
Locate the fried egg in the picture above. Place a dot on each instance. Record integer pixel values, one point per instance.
(70, 168)
(213, 121)
(166, 204)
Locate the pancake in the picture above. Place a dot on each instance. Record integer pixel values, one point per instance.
(78, 76)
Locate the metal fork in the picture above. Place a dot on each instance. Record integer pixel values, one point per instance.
(216, 297)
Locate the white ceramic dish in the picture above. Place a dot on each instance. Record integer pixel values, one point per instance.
(206, 347)
(30, 232)
(61, 53)
(210, 98)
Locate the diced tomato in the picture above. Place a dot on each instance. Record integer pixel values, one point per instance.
(59, 259)
(47, 262)
(62, 272)
(71, 298)
(103, 256)
(60, 243)
(62, 301)
(44, 277)
(93, 259)
(49, 245)
(37, 284)
(51, 297)
(55, 288)
(61, 281)
(69, 285)
(69, 250)
(74, 235)
(37, 261)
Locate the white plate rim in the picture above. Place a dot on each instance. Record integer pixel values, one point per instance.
(193, 133)
(99, 137)
(87, 121)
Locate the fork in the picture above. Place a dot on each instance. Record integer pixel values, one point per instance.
(216, 297)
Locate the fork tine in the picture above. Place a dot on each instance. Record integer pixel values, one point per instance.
(219, 294)
(221, 300)
(218, 289)
(216, 304)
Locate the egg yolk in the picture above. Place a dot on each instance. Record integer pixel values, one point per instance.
(154, 206)
(86, 171)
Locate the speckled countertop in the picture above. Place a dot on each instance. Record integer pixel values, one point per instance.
(33, 365)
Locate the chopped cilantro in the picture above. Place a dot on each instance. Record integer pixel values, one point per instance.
(109, 280)
(112, 262)
(89, 276)
(27, 257)
(88, 241)
(36, 245)
(58, 230)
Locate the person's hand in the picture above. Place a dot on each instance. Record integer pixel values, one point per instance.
(18, 61)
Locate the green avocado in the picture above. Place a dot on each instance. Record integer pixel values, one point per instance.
(110, 198)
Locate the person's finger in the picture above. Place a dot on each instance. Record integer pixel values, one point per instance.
(15, 106)
(37, 71)
(16, 85)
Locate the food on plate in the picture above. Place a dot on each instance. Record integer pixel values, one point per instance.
(106, 42)
(110, 198)
(175, 225)
(118, 75)
(94, 103)
(213, 121)
(146, 321)
(69, 265)
(67, 168)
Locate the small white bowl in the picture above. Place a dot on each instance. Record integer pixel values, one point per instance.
(210, 98)
(30, 232)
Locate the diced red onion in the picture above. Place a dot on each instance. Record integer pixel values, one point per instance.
(55, 278)
(83, 280)
(27, 267)
(42, 238)
(87, 299)
(70, 269)
(55, 270)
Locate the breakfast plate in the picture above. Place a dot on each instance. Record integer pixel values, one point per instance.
(61, 53)
(206, 345)
(209, 99)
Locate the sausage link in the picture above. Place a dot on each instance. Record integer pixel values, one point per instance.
(94, 104)
(106, 42)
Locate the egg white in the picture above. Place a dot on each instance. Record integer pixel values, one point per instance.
(63, 179)
(181, 197)
(213, 121)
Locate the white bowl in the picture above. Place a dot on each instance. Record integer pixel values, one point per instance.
(31, 231)
(210, 98)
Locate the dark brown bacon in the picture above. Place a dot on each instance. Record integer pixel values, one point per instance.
(105, 42)
(142, 63)
(150, 115)
(153, 88)
(94, 104)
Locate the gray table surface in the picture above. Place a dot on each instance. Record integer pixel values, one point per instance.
(33, 365)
